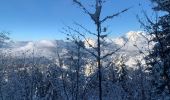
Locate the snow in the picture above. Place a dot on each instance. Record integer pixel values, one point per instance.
(119, 41)
(131, 62)
(134, 36)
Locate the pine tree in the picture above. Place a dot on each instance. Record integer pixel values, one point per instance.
(159, 57)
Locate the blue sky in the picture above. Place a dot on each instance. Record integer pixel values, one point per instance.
(43, 19)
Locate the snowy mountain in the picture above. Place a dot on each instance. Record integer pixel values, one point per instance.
(133, 42)
(130, 43)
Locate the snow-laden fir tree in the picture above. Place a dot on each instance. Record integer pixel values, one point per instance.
(159, 57)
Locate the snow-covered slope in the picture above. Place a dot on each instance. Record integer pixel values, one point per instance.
(134, 43)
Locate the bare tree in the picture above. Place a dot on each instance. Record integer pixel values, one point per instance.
(100, 34)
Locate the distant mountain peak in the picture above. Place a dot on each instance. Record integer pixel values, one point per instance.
(134, 35)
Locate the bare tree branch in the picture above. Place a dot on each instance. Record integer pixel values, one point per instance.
(109, 54)
(74, 39)
(85, 29)
(114, 15)
(82, 36)
(113, 52)
(81, 6)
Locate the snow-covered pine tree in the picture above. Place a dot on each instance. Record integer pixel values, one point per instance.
(159, 57)
(123, 77)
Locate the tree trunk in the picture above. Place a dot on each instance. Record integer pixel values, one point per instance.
(99, 60)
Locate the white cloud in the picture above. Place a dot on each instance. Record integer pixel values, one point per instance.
(45, 44)
(28, 46)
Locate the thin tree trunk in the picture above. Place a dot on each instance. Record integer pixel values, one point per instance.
(1, 94)
(62, 75)
(99, 60)
(77, 73)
